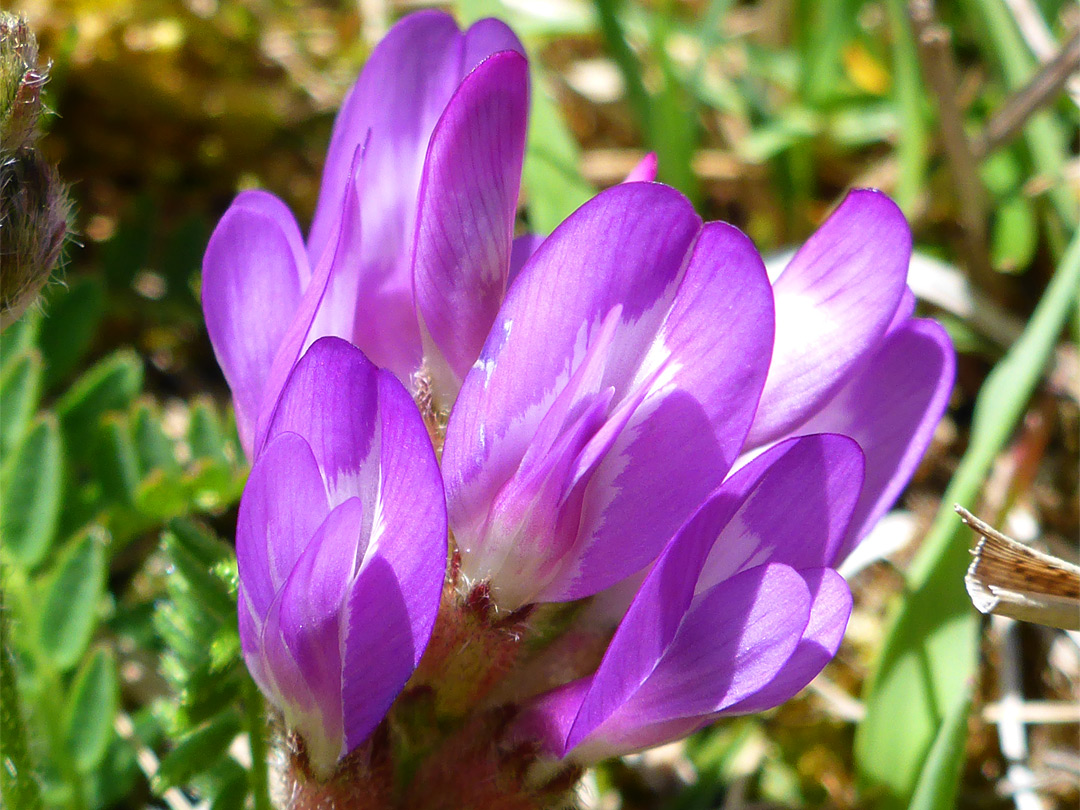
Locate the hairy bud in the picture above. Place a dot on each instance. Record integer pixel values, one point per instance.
(34, 206)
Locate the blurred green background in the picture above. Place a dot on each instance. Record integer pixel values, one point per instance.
(121, 471)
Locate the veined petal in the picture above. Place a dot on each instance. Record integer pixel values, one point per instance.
(310, 623)
(828, 619)
(331, 399)
(283, 504)
(624, 248)
(310, 314)
(704, 372)
(394, 107)
(464, 231)
(891, 407)
(801, 496)
(834, 302)
(253, 273)
(733, 640)
(393, 603)
(410, 531)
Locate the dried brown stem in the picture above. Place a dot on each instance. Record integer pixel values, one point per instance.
(935, 56)
(1043, 88)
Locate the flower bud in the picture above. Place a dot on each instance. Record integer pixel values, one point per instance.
(34, 205)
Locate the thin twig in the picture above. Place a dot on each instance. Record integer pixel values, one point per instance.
(1043, 88)
(1034, 712)
(935, 55)
(1011, 733)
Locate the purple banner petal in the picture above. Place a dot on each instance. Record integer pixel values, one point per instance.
(393, 108)
(251, 287)
(310, 620)
(734, 639)
(637, 237)
(797, 511)
(467, 202)
(703, 371)
(834, 302)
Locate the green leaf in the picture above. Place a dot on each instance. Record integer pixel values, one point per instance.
(550, 175)
(110, 385)
(1045, 135)
(913, 150)
(18, 782)
(205, 435)
(153, 446)
(74, 314)
(128, 251)
(827, 26)
(941, 773)
(20, 389)
(929, 655)
(115, 462)
(32, 494)
(18, 338)
(196, 753)
(91, 709)
(70, 610)
(232, 794)
(1014, 235)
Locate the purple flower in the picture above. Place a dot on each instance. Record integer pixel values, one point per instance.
(412, 241)
(341, 547)
(640, 355)
(740, 611)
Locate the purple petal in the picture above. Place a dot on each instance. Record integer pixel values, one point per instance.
(411, 508)
(834, 303)
(485, 37)
(283, 504)
(468, 198)
(331, 399)
(904, 312)
(379, 648)
(398, 99)
(253, 273)
(658, 609)
(393, 604)
(520, 252)
(734, 639)
(336, 312)
(801, 495)
(309, 315)
(310, 623)
(891, 407)
(644, 171)
(828, 620)
(624, 248)
(681, 442)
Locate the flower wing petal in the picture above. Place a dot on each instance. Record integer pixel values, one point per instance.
(282, 506)
(834, 302)
(891, 408)
(828, 620)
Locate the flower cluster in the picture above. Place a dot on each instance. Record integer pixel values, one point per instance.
(628, 414)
